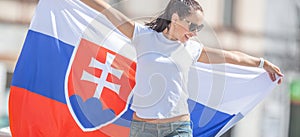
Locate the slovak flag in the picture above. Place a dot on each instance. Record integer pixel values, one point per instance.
(76, 73)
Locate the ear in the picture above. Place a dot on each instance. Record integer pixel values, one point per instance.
(175, 17)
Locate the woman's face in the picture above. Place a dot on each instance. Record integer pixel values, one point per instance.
(185, 28)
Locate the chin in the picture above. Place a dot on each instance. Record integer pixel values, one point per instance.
(184, 40)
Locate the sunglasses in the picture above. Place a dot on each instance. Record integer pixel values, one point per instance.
(194, 27)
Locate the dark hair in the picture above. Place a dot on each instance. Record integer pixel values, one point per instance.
(181, 7)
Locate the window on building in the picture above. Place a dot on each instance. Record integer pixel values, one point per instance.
(297, 4)
(298, 16)
(9, 76)
(228, 13)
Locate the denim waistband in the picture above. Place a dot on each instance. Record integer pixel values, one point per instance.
(170, 125)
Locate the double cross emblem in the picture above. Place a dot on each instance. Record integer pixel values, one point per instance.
(106, 69)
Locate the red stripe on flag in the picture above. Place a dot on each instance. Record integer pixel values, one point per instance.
(33, 115)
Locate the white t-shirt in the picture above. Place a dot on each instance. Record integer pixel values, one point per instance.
(162, 68)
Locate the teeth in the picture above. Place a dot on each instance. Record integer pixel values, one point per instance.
(187, 36)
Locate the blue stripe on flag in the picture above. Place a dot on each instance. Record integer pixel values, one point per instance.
(207, 122)
(42, 66)
(126, 118)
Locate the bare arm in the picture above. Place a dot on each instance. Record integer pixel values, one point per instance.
(214, 56)
(118, 19)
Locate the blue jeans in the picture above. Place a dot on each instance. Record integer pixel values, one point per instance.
(173, 129)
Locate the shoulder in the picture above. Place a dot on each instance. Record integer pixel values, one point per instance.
(142, 34)
(141, 29)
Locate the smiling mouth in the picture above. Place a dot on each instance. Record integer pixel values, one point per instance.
(187, 36)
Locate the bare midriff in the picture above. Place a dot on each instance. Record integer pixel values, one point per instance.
(166, 120)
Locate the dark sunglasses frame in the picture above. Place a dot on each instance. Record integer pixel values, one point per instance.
(194, 27)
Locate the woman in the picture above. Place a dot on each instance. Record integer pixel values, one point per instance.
(165, 54)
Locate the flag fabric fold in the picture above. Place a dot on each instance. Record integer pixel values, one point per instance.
(76, 73)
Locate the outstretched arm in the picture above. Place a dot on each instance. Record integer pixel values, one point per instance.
(118, 19)
(214, 56)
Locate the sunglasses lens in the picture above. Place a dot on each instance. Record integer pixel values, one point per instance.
(200, 27)
(195, 27)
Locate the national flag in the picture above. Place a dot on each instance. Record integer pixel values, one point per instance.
(76, 73)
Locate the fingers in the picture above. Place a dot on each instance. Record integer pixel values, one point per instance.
(272, 76)
(279, 81)
(277, 71)
(273, 71)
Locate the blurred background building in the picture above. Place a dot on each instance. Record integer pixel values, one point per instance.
(264, 28)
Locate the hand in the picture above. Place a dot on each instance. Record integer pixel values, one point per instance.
(273, 71)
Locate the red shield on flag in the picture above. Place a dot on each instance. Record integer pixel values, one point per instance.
(99, 85)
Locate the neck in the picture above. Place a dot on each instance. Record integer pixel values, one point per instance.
(167, 34)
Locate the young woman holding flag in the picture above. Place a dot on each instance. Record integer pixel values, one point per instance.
(165, 54)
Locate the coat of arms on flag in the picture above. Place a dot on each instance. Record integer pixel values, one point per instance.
(99, 85)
